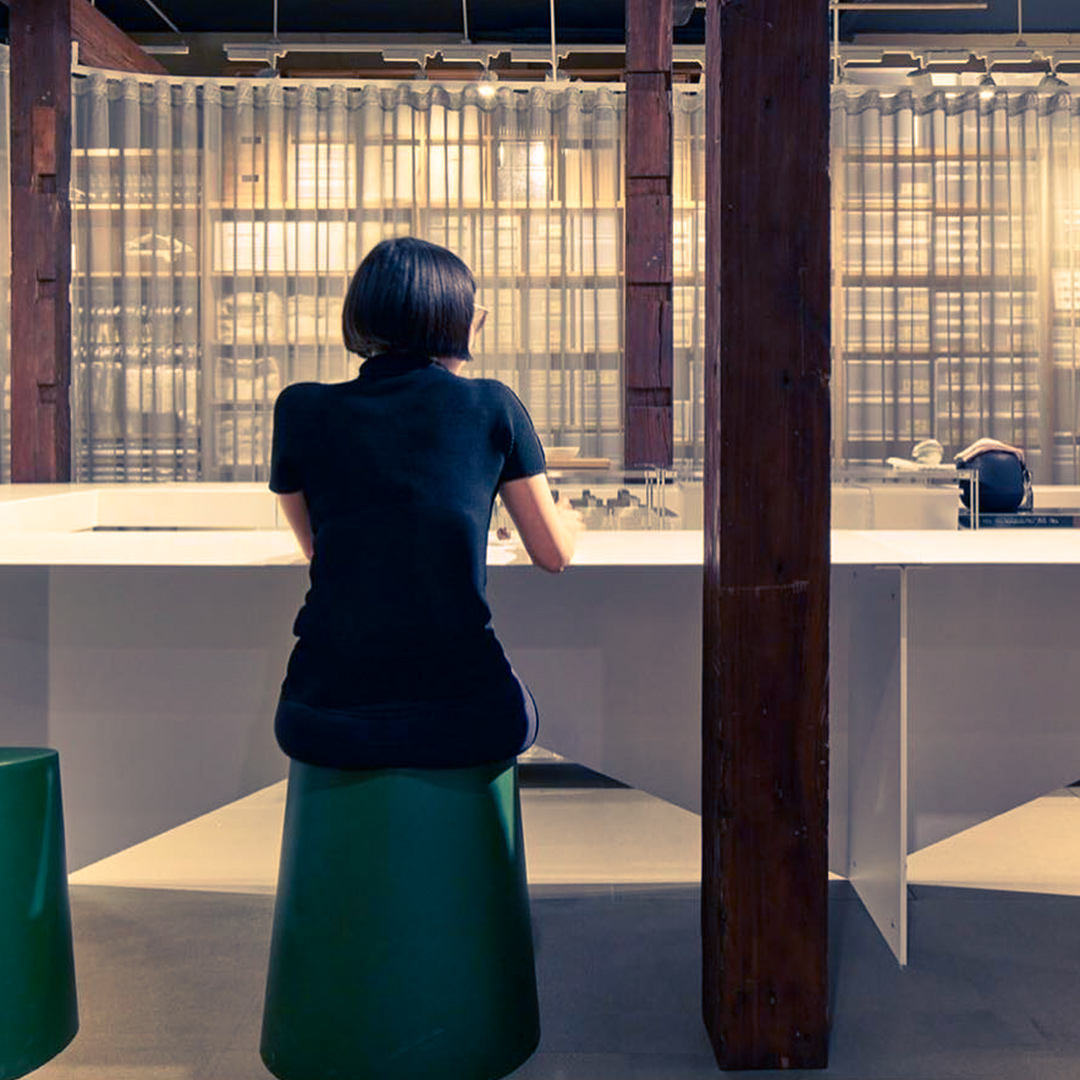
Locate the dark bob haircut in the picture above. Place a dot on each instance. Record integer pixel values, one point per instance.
(409, 295)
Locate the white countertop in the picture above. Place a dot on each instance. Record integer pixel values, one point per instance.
(238, 525)
(1028, 546)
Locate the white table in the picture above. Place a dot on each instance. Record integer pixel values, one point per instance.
(954, 666)
(151, 660)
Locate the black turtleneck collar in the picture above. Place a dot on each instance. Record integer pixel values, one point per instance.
(387, 365)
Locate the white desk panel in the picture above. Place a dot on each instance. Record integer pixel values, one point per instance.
(151, 660)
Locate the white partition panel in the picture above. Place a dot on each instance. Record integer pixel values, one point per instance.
(613, 657)
(995, 691)
(868, 692)
(162, 688)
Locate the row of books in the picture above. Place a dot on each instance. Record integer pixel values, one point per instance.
(1024, 519)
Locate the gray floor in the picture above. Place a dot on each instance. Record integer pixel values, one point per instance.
(171, 979)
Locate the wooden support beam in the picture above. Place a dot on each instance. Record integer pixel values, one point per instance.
(41, 33)
(648, 262)
(40, 38)
(766, 659)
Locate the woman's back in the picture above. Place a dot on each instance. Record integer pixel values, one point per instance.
(388, 483)
(399, 468)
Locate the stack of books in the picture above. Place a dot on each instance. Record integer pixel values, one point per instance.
(1024, 519)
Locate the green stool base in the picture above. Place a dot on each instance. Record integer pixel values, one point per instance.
(38, 1011)
(402, 945)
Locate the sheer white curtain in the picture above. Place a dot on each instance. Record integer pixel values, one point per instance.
(217, 224)
(956, 252)
(138, 226)
(688, 182)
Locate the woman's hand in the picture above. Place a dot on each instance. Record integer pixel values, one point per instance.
(573, 521)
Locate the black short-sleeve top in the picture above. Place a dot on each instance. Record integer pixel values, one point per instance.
(399, 468)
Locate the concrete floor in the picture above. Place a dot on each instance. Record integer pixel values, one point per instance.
(172, 935)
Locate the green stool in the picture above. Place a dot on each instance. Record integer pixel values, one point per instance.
(38, 1011)
(402, 945)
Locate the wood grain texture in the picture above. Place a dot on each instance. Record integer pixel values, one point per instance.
(648, 125)
(102, 44)
(648, 433)
(649, 27)
(43, 142)
(648, 185)
(647, 370)
(765, 649)
(40, 58)
(648, 239)
(648, 322)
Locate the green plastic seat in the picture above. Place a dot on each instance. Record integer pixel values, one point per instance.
(38, 1010)
(402, 945)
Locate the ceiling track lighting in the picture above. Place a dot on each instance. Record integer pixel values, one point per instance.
(267, 55)
(1018, 63)
(175, 48)
(421, 52)
(877, 5)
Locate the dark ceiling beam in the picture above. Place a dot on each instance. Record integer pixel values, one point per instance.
(102, 44)
(766, 600)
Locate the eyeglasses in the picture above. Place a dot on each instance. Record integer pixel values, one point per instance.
(480, 315)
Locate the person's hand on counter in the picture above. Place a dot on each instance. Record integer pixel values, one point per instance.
(572, 521)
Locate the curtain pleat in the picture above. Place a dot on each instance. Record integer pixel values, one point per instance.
(216, 225)
(688, 183)
(136, 197)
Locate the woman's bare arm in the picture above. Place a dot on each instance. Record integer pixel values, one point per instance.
(548, 531)
(294, 507)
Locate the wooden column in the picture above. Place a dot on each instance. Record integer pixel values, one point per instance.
(41, 32)
(766, 658)
(648, 259)
(40, 36)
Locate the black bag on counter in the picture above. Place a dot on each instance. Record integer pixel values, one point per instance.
(1004, 480)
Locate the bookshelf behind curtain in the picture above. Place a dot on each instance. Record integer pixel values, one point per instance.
(956, 253)
(216, 224)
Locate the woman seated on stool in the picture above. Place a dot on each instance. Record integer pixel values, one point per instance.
(388, 482)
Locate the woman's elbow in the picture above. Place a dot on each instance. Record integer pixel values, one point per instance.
(552, 565)
(554, 560)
